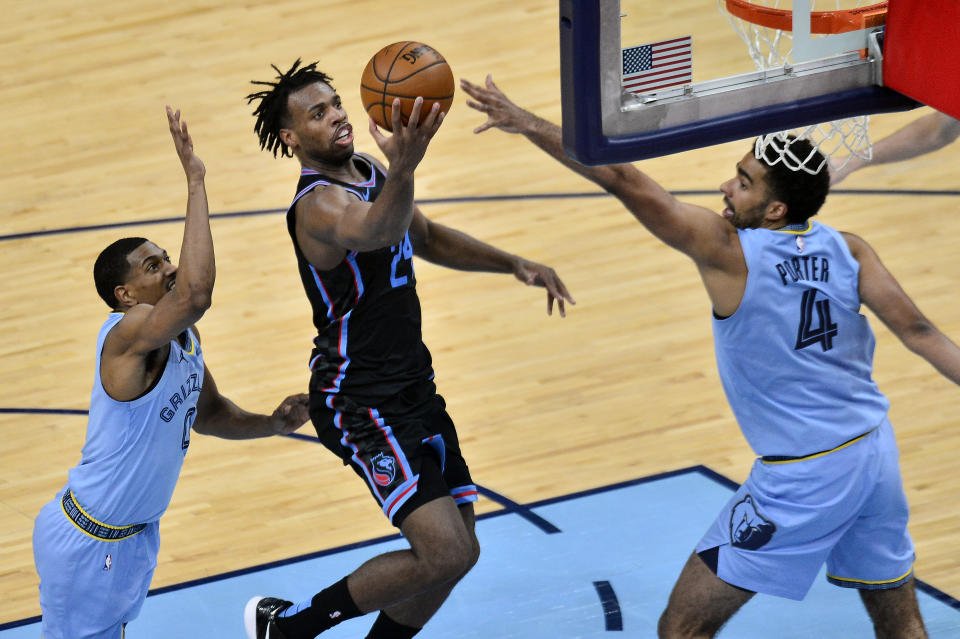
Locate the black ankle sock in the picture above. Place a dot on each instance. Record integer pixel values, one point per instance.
(327, 608)
(386, 628)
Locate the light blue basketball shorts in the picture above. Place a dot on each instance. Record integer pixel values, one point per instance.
(845, 507)
(89, 587)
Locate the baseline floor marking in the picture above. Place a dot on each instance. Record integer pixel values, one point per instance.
(512, 507)
(936, 593)
(564, 563)
(466, 199)
(509, 505)
(44, 411)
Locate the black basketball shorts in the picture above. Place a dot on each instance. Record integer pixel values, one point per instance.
(406, 457)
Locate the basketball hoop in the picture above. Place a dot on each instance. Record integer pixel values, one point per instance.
(821, 22)
(767, 31)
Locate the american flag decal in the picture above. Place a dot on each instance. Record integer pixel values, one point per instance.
(660, 65)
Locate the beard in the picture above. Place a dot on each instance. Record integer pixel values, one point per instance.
(749, 218)
(330, 155)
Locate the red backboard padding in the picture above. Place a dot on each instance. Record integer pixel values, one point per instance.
(921, 52)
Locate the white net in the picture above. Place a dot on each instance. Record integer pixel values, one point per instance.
(839, 141)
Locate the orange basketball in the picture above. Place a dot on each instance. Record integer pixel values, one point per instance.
(405, 70)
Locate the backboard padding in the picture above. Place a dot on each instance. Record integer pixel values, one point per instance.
(922, 52)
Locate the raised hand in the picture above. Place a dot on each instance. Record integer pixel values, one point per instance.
(192, 165)
(501, 112)
(534, 274)
(292, 413)
(405, 148)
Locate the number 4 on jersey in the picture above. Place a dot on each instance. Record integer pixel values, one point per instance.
(825, 330)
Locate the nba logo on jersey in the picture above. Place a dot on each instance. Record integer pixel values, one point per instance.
(108, 562)
(384, 469)
(799, 244)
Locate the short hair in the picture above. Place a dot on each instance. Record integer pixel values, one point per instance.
(113, 267)
(803, 193)
(272, 113)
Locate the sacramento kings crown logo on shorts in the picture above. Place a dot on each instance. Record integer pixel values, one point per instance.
(384, 469)
(749, 529)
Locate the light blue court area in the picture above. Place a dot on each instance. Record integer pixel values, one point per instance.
(598, 564)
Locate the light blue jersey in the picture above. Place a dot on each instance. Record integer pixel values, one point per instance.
(95, 545)
(796, 357)
(796, 360)
(134, 450)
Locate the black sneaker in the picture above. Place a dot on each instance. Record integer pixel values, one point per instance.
(259, 615)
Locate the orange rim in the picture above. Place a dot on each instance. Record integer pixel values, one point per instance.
(821, 22)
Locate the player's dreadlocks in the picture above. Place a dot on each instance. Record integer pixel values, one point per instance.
(272, 111)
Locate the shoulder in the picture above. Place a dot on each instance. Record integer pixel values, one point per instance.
(121, 339)
(324, 198)
(373, 161)
(131, 321)
(857, 244)
(862, 253)
(745, 237)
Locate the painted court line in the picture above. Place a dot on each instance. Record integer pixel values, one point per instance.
(609, 568)
(466, 199)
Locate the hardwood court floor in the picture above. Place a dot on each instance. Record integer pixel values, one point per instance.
(625, 386)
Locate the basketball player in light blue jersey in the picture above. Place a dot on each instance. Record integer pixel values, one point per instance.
(796, 358)
(95, 545)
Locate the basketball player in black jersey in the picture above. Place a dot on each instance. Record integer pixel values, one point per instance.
(355, 229)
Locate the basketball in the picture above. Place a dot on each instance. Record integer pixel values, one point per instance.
(405, 70)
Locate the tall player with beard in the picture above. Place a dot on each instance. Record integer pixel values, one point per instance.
(796, 359)
(355, 229)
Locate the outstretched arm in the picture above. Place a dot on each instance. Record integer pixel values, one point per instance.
(503, 114)
(185, 304)
(218, 416)
(883, 295)
(454, 249)
(145, 328)
(924, 135)
(700, 233)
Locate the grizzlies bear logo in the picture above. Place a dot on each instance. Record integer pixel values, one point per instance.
(748, 529)
(384, 469)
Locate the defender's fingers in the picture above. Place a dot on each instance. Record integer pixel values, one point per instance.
(478, 106)
(172, 121)
(483, 127)
(468, 86)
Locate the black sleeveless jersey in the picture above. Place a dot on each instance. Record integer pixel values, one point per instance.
(369, 345)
